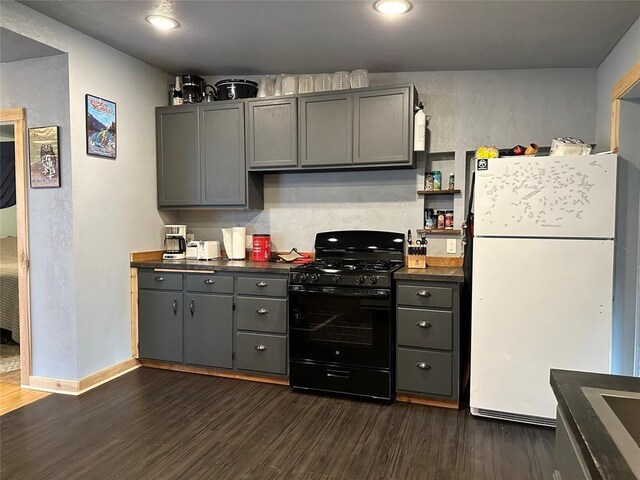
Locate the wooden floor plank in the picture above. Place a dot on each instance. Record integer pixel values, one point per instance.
(13, 396)
(155, 424)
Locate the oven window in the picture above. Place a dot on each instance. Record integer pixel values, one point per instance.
(340, 328)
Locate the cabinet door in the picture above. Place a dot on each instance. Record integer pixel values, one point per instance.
(160, 325)
(177, 154)
(208, 330)
(382, 126)
(326, 130)
(272, 138)
(222, 154)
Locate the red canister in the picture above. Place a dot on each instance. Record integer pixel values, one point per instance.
(261, 247)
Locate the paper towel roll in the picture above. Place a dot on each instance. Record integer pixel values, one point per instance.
(239, 240)
(227, 238)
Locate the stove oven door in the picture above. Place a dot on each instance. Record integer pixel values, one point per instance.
(341, 326)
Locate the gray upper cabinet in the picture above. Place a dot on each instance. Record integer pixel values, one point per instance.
(208, 330)
(222, 157)
(178, 156)
(272, 137)
(160, 325)
(326, 130)
(383, 126)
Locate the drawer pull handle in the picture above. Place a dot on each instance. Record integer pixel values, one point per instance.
(209, 281)
(423, 365)
(175, 306)
(159, 279)
(192, 307)
(423, 293)
(261, 348)
(262, 311)
(423, 324)
(262, 284)
(337, 373)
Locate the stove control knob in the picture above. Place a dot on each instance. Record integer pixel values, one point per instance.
(303, 277)
(360, 279)
(315, 277)
(295, 278)
(373, 280)
(337, 279)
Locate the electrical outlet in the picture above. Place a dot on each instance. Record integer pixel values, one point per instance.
(451, 245)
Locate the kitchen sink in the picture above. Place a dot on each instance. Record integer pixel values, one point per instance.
(619, 412)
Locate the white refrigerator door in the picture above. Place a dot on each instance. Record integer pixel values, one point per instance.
(568, 197)
(537, 304)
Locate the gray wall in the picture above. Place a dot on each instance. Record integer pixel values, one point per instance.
(621, 59)
(466, 109)
(41, 86)
(627, 267)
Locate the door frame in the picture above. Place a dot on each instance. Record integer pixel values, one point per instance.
(626, 83)
(17, 117)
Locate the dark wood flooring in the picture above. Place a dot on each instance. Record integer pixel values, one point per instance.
(156, 424)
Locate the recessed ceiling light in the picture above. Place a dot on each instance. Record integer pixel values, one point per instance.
(392, 7)
(162, 22)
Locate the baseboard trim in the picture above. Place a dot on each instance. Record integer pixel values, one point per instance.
(106, 375)
(78, 387)
(428, 401)
(214, 372)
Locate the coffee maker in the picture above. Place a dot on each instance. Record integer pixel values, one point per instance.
(194, 89)
(175, 244)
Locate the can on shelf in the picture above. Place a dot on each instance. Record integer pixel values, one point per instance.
(261, 247)
(448, 220)
(437, 179)
(441, 220)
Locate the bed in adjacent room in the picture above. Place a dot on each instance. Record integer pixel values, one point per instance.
(9, 318)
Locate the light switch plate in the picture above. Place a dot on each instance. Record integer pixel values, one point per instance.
(451, 245)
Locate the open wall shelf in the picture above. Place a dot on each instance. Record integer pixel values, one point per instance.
(438, 192)
(439, 232)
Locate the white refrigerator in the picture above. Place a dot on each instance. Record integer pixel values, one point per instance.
(542, 279)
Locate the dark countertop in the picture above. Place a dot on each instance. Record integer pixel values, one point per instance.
(220, 265)
(602, 456)
(439, 274)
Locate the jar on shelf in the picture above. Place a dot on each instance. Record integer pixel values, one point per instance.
(428, 181)
(429, 221)
(441, 220)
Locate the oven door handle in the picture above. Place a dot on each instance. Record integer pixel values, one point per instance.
(336, 292)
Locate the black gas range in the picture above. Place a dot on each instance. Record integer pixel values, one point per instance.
(342, 316)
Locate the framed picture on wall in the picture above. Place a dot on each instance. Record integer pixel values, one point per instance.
(44, 160)
(101, 127)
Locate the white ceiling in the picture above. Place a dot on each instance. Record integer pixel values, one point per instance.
(256, 37)
(14, 47)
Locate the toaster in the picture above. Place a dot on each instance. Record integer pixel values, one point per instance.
(208, 249)
(192, 250)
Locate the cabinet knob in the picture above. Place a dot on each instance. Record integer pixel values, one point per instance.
(423, 365)
(209, 281)
(423, 324)
(262, 284)
(261, 348)
(159, 279)
(262, 311)
(423, 293)
(175, 306)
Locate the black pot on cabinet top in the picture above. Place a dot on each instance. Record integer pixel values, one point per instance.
(233, 88)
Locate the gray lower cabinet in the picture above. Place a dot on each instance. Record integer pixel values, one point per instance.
(383, 126)
(326, 130)
(570, 463)
(221, 320)
(428, 339)
(222, 156)
(272, 133)
(160, 325)
(178, 156)
(208, 330)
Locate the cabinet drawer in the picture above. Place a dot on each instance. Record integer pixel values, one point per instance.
(262, 286)
(261, 353)
(262, 314)
(209, 283)
(425, 296)
(160, 280)
(433, 378)
(425, 328)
